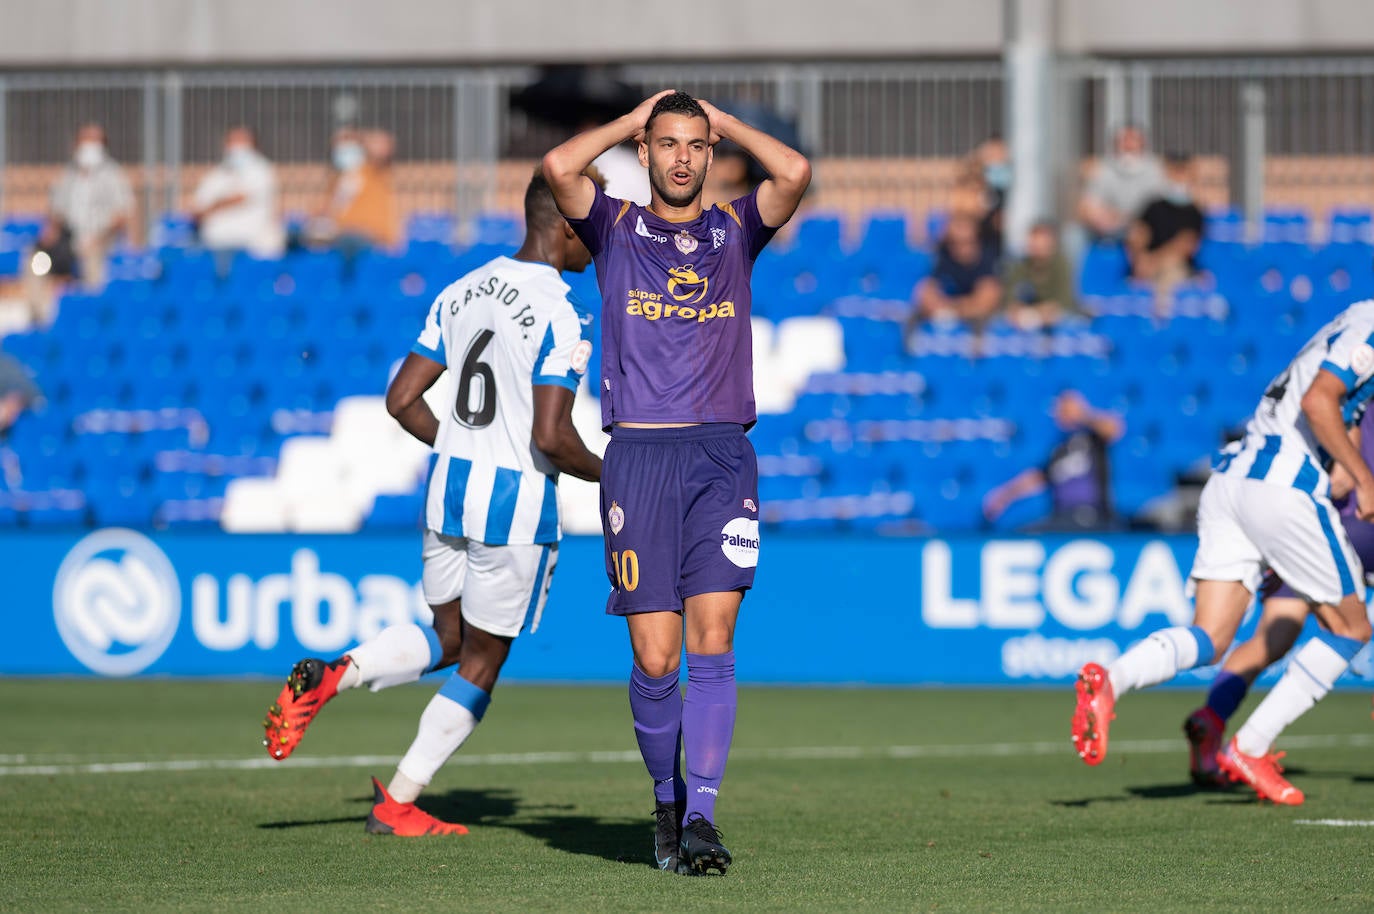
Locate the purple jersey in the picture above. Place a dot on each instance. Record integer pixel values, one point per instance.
(1346, 503)
(675, 339)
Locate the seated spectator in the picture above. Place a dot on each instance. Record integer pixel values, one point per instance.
(18, 392)
(90, 208)
(972, 197)
(1164, 240)
(1039, 286)
(963, 285)
(1076, 473)
(360, 210)
(1121, 185)
(235, 206)
(992, 158)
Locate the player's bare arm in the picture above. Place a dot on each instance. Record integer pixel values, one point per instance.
(556, 437)
(789, 173)
(405, 397)
(564, 165)
(1322, 407)
(1342, 484)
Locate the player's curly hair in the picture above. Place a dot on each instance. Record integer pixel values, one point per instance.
(677, 103)
(540, 207)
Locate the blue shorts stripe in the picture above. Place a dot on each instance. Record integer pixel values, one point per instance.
(538, 588)
(455, 491)
(1337, 553)
(547, 531)
(1265, 458)
(505, 491)
(474, 698)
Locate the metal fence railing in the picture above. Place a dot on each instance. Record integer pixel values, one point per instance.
(884, 135)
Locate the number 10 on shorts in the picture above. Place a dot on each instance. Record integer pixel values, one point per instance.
(626, 565)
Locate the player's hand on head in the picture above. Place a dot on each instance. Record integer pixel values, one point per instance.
(715, 116)
(640, 115)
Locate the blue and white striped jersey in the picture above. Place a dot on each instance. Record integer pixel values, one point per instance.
(1279, 446)
(500, 330)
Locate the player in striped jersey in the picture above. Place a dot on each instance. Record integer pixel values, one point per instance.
(516, 345)
(1268, 506)
(1283, 613)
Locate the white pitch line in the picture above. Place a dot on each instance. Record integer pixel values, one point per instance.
(1337, 823)
(794, 753)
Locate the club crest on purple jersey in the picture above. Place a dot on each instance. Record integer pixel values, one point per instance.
(615, 518)
(685, 242)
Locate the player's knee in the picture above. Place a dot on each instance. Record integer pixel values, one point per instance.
(656, 665)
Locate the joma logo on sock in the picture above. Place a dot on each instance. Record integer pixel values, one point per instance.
(711, 790)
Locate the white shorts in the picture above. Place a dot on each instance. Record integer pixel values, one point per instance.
(1247, 525)
(503, 588)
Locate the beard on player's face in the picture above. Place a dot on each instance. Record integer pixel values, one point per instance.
(672, 193)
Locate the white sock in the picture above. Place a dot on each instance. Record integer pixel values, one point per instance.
(1311, 673)
(444, 727)
(1158, 658)
(395, 655)
(403, 789)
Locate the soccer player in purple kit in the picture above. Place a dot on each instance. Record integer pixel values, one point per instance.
(1283, 611)
(679, 488)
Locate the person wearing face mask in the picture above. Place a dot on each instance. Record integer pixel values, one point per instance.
(94, 201)
(1163, 241)
(1121, 186)
(360, 210)
(235, 205)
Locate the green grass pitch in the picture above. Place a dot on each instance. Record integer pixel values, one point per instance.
(146, 796)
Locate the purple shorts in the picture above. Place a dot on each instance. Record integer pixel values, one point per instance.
(1361, 534)
(680, 508)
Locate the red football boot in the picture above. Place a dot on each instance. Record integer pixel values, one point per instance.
(405, 820)
(312, 683)
(1093, 714)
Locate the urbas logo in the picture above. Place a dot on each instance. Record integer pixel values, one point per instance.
(739, 540)
(116, 602)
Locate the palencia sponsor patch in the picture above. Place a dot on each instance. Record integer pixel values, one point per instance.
(739, 540)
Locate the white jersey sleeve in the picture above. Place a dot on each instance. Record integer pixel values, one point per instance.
(565, 349)
(431, 341)
(1350, 356)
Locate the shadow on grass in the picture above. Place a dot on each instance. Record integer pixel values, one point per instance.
(556, 825)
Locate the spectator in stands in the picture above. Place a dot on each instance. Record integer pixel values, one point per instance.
(18, 392)
(360, 210)
(1077, 472)
(1121, 185)
(235, 206)
(992, 159)
(963, 286)
(93, 200)
(1039, 286)
(1163, 241)
(970, 197)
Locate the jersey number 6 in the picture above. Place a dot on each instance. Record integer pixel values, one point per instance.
(476, 408)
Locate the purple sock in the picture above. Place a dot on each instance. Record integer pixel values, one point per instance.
(1227, 692)
(657, 708)
(708, 724)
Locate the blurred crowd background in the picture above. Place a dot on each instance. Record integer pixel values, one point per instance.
(1053, 252)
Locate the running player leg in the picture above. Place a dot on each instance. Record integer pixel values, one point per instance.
(1280, 622)
(397, 654)
(1312, 672)
(504, 594)
(708, 722)
(1226, 572)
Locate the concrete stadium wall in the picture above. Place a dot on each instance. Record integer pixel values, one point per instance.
(63, 33)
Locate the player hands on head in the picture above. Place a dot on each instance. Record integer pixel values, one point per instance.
(679, 495)
(489, 549)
